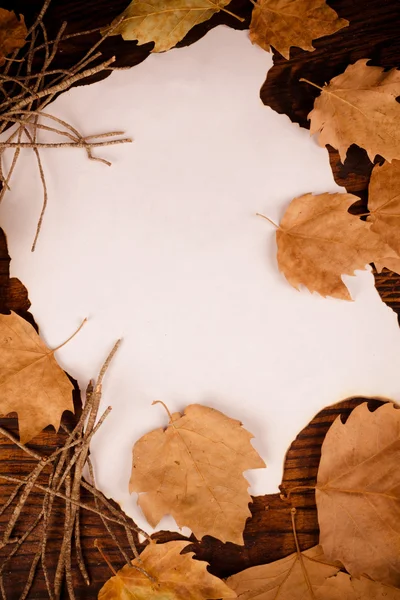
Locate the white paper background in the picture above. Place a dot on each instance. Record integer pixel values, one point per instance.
(165, 250)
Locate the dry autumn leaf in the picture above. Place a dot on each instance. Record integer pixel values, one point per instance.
(319, 241)
(12, 33)
(31, 382)
(164, 22)
(358, 493)
(193, 470)
(281, 24)
(393, 264)
(165, 574)
(344, 587)
(287, 579)
(359, 107)
(384, 208)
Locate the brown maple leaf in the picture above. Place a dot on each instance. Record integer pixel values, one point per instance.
(344, 587)
(297, 576)
(193, 470)
(359, 107)
(164, 22)
(358, 493)
(12, 33)
(286, 23)
(393, 264)
(163, 573)
(31, 382)
(384, 209)
(319, 241)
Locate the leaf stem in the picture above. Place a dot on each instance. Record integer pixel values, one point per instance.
(228, 12)
(299, 554)
(298, 488)
(64, 497)
(268, 219)
(165, 406)
(70, 337)
(311, 83)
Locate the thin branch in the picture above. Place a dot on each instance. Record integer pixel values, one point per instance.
(64, 497)
(61, 87)
(106, 525)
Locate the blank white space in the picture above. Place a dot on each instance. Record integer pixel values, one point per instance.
(165, 250)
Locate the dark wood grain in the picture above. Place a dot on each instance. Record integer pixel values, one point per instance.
(268, 535)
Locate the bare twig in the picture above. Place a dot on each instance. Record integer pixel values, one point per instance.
(25, 93)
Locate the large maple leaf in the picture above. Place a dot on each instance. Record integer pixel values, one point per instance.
(31, 382)
(286, 23)
(359, 107)
(358, 493)
(319, 241)
(193, 470)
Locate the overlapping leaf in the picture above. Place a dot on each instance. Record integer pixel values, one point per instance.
(12, 33)
(193, 470)
(163, 573)
(358, 493)
(319, 241)
(384, 208)
(359, 107)
(286, 23)
(164, 22)
(344, 587)
(287, 579)
(31, 382)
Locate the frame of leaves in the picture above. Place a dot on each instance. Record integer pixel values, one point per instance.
(21, 104)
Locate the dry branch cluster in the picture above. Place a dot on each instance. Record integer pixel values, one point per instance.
(28, 83)
(63, 472)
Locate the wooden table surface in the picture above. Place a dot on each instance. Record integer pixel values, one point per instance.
(373, 33)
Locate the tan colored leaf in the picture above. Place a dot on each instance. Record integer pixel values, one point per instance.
(384, 206)
(31, 382)
(165, 22)
(319, 241)
(290, 578)
(286, 23)
(359, 107)
(193, 470)
(165, 574)
(358, 493)
(12, 33)
(393, 264)
(344, 587)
